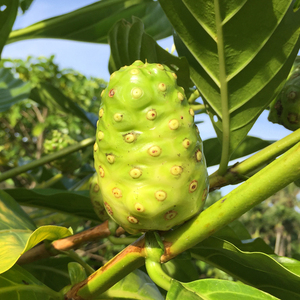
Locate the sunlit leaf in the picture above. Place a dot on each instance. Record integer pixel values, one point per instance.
(240, 53)
(136, 285)
(213, 289)
(12, 90)
(18, 233)
(246, 264)
(92, 23)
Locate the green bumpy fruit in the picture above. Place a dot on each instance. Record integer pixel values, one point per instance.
(285, 109)
(56, 141)
(148, 152)
(97, 199)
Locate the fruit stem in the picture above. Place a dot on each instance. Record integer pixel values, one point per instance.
(46, 159)
(153, 264)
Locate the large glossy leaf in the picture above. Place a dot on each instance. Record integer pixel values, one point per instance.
(215, 289)
(212, 149)
(8, 13)
(12, 90)
(92, 23)
(50, 96)
(18, 284)
(240, 52)
(137, 285)
(129, 42)
(18, 234)
(255, 268)
(72, 202)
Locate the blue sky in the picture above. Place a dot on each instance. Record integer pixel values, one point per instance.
(92, 59)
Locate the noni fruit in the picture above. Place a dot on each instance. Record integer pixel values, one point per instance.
(97, 199)
(56, 141)
(148, 152)
(285, 109)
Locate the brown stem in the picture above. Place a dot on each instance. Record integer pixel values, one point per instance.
(72, 242)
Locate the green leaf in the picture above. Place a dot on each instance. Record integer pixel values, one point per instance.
(92, 23)
(16, 284)
(48, 95)
(73, 202)
(12, 90)
(18, 233)
(212, 149)
(137, 285)
(8, 13)
(181, 268)
(25, 4)
(52, 271)
(77, 272)
(254, 268)
(12, 216)
(240, 53)
(215, 289)
(129, 42)
(14, 243)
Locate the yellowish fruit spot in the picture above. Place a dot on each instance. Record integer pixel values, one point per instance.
(111, 93)
(110, 158)
(95, 147)
(176, 170)
(112, 75)
(135, 173)
(118, 117)
(162, 87)
(108, 208)
(135, 71)
(154, 151)
(139, 207)
(129, 137)
(151, 114)
(186, 143)
(159, 66)
(191, 111)
(132, 220)
(173, 124)
(136, 93)
(198, 155)
(160, 195)
(174, 75)
(193, 186)
(170, 215)
(180, 96)
(101, 172)
(100, 135)
(102, 93)
(117, 192)
(101, 111)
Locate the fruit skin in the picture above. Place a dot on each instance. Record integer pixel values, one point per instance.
(285, 109)
(147, 151)
(56, 141)
(97, 199)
